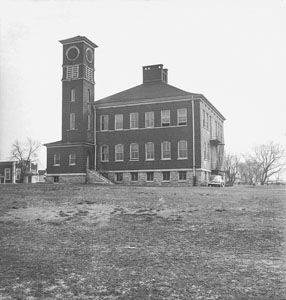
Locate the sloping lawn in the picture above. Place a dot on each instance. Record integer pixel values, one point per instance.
(96, 242)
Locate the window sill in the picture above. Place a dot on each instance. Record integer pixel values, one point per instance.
(182, 158)
(104, 161)
(150, 159)
(71, 129)
(72, 164)
(165, 158)
(119, 160)
(134, 160)
(56, 165)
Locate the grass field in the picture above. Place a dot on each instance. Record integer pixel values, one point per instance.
(96, 242)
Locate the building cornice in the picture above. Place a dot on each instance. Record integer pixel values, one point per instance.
(51, 145)
(140, 102)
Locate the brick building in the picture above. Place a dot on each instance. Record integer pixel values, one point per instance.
(10, 172)
(151, 133)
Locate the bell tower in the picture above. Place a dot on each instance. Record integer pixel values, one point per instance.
(69, 158)
(77, 89)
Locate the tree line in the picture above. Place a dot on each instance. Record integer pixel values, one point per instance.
(264, 162)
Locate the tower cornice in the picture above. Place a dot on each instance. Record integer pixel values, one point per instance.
(78, 39)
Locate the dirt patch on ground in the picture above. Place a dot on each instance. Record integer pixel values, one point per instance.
(89, 242)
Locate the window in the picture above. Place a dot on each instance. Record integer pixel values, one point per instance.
(208, 151)
(104, 122)
(88, 96)
(166, 150)
(119, 152)
(7, 173)
(182, 116)
(88, 122)
(150, 176)
(133, 120)
(18, 174)
(119, 177)
(134, 152)
(72, 121)
(211, 125)
(56, 179)
(182, 149)
(182, 175)
(72, 72)
(72, 95)
(149, 119)
(205, 150)
(207, 121)
(166, 176)
(149, 149)
(165, 118)
(134, 176)
(72, 159)
(204, 118)
(57, 158)
(118, 122)
(104, 153)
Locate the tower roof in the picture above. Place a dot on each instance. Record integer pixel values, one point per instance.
(77, 39)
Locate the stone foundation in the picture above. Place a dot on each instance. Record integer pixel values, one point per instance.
(66, 178)
(157, 179)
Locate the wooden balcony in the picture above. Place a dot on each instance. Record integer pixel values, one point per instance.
(217, 139)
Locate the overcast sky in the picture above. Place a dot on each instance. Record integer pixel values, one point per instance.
(233, 52)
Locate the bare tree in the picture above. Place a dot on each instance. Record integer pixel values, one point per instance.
(231, 167)
(25, 153)
(271, 160)
(249, 171)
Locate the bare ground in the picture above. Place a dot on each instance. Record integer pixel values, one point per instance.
(96, 242)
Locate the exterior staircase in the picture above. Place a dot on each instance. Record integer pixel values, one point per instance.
(95, 177)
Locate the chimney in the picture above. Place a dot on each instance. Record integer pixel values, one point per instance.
(155, 73)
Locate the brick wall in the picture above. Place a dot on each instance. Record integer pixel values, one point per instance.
(64, 167)
(144, 135)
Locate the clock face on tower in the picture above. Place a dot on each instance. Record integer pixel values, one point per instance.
(89, 55)
(72, 53)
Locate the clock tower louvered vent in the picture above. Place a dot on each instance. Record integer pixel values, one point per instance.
(88, 73)
(72, 72)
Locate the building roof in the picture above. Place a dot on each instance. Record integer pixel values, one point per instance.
(158, 90)
(146, 91)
